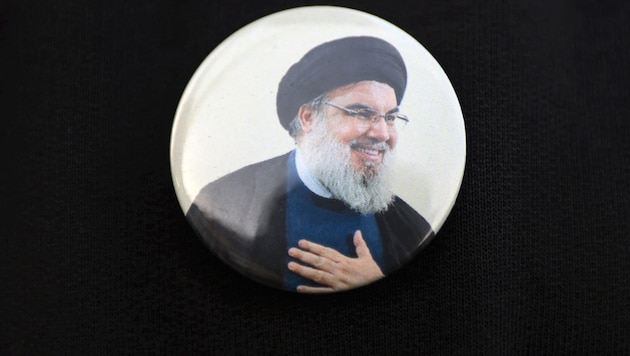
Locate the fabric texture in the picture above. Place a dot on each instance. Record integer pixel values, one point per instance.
(96, 257)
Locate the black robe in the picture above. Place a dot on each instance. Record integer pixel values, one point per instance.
(242, 217)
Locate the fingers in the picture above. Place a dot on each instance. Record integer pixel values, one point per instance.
(330, 269)
(360, 246)
(322, 259)
(314, 290)
(320, 250)
(318, 262)
(313, 274)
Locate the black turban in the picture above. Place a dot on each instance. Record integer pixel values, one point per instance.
(335, 64)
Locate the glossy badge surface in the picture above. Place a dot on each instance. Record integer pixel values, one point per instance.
(318, 149)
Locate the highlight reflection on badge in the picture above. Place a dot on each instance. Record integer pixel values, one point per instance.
(329, 191)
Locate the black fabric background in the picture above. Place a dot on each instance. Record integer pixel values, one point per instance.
(97, 258)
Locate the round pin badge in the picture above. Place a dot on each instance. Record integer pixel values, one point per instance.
(318, 149)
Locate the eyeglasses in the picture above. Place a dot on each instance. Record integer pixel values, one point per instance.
(368, 117)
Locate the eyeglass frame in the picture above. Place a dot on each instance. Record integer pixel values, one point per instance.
(375, 115)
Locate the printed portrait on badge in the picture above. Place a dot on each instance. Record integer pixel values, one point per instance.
(318, 149)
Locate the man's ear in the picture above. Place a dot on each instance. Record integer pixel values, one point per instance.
(307, 116)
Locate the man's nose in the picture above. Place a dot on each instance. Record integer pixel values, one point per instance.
(379, 130)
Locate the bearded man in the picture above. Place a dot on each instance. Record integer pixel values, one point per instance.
(322, 217)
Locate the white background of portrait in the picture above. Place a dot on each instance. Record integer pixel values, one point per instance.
(227, 119)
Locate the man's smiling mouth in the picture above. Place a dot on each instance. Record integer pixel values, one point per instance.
(370, 151)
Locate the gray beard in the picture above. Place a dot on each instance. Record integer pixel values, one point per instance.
(330, 162)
